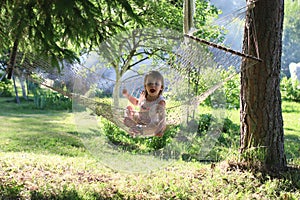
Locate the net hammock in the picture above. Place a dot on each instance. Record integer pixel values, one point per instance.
(180, 58)
(193, 56)
(192, 68)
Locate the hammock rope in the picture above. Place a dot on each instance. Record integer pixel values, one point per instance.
(193, 56)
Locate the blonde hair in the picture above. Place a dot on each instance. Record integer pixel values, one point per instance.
(156, 75)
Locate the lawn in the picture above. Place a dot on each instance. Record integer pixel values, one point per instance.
(43, 156)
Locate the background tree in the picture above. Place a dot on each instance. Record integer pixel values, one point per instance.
(261, 114)
(143, 44)
(54, 29)
(291, 39)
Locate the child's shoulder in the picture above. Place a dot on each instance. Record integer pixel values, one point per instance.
(161, 100)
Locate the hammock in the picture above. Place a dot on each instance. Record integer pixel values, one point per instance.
(94, 86)
(186, 56)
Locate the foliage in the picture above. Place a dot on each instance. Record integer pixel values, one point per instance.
(228, 139)
(54, 28)
(168, 14)
(6, 89)
(204, 13)
(291, 39)
(54, 100)
(119, 137)
(229, 93)
(45, 98)
(101, 94)
(232, 89)
(290, 89)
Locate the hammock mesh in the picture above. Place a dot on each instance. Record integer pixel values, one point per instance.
(95, 85)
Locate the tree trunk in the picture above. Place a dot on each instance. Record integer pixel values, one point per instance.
(16, 89)
(23, 86)
(261, 114)
(12, 59)
(188, 10)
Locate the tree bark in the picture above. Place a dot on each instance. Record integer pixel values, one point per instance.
(16, 89)
(261, 114)
(188, 10)
(12, 59)
(23, 86)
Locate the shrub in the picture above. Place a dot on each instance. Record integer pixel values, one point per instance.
(101, 93)
(290, 89)
(189, 148)
(220, 145)
(6, 89)
(119, 137)
(49, 99)
(229, 93)
(232, 89)
(44, 98)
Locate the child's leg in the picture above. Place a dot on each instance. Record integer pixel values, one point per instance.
(129, 112)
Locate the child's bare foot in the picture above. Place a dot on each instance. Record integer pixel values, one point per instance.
(129, 122)
(159, 134)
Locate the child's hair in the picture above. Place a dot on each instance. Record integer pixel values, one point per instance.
(157, 75)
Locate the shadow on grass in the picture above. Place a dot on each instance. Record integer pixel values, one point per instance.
(290, 109)
(287, 179)
(60, 144)
(10, 108)
(290, 178)
(11, 192)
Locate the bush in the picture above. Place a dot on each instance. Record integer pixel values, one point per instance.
(232, 89)
(220, 145)
(229, 93)
(102, 94)
(6, 88)
(189, 148)
(49, 99)
(44, 98)
(290, 89)
(120, 138)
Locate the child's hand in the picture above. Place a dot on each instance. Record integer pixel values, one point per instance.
(125, 92)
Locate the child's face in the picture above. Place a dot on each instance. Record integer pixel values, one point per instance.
(153, 86)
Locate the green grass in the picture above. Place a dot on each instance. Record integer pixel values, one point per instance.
(36, 176)
(25, 128)
(44, 156)
(291, 121)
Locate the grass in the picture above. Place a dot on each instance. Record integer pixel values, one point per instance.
(291, 116)
(291, 121)
(41, 131)
(43, 156)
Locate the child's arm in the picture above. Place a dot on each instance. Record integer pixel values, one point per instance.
(161, 126)
(130, 98)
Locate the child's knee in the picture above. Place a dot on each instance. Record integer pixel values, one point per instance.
(129, 108)
(129, 112)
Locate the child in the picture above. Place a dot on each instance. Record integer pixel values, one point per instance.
(150, 120)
